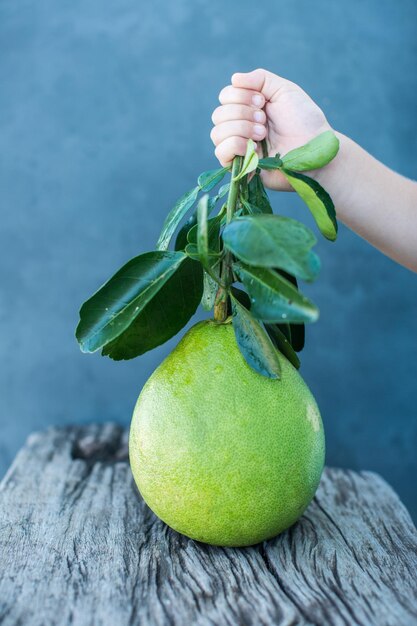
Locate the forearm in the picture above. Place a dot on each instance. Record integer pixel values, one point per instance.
(375, 202)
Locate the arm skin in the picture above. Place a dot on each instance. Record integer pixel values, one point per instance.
(380, 205)
(375, 202)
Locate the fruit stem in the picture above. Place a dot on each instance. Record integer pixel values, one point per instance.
(234, 189)
(220, 306)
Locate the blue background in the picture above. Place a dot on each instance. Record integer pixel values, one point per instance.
(104, 121)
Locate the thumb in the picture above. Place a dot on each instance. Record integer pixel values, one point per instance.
(260, 80)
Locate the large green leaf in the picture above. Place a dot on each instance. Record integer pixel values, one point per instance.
(318, 201)
(163, 317)
(295, 333)
(257, 195)
(298, 332)
(274, 299)
(208, 180)
(250, 162)
(120, 300)
(174, 217)
(314, 154)
(282, 344)
(254, 343)
(273, 241)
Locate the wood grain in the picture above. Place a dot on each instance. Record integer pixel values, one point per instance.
(79, 546)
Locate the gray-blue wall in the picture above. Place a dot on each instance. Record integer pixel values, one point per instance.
(104, 120)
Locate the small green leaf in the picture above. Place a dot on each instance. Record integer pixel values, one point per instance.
(174, 217)
(224, 189)
(181, 240)
(254, 343)
(315, 154)
(250, 162)
(191, 251)
(273, 241)
(274, 299)
(209, 293)
(257, 195)
(250, 209)
(318, 201)
(122, 298)
(213, 233)
(270, 163)
(163, 317)
(202, 231)
(282, 344)
(208, 180)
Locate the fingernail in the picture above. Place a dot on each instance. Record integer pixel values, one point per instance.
(257, 100)
(258, 116)
(258, 130)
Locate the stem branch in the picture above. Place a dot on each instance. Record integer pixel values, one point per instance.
(220, 307)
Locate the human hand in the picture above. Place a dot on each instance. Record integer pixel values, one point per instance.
(260, 105)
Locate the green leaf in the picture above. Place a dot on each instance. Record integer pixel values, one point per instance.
(191, 251)
(120, 300)
(254, 343)
(298, 336)
(164, 315)
(257, 195)
(274, 299)
(295, 333)
(202, 231)
(224, 190)
(250, 208)
(181, 240)
(174, 217)
(273, 241)
(270, 163)
(213, 233)
(318, 201)
(239, 295)
(242, 296)
(282, 344)
(315, 154)
(208, 180)
(250, 162)
(209, 293)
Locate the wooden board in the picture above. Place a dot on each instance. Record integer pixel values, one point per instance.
(79, 546)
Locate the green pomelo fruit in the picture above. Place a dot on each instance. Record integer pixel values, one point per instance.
(219, 452)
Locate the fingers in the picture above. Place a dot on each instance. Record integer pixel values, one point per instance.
(248, 97)
(237, 128)
(231, 112)
(229, 148)
(262, 81)
(239, 118)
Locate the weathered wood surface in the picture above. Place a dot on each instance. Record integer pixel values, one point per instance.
(79, 546)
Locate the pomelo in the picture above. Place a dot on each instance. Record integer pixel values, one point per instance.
(219, 452)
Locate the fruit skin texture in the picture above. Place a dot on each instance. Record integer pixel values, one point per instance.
(219, 452)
